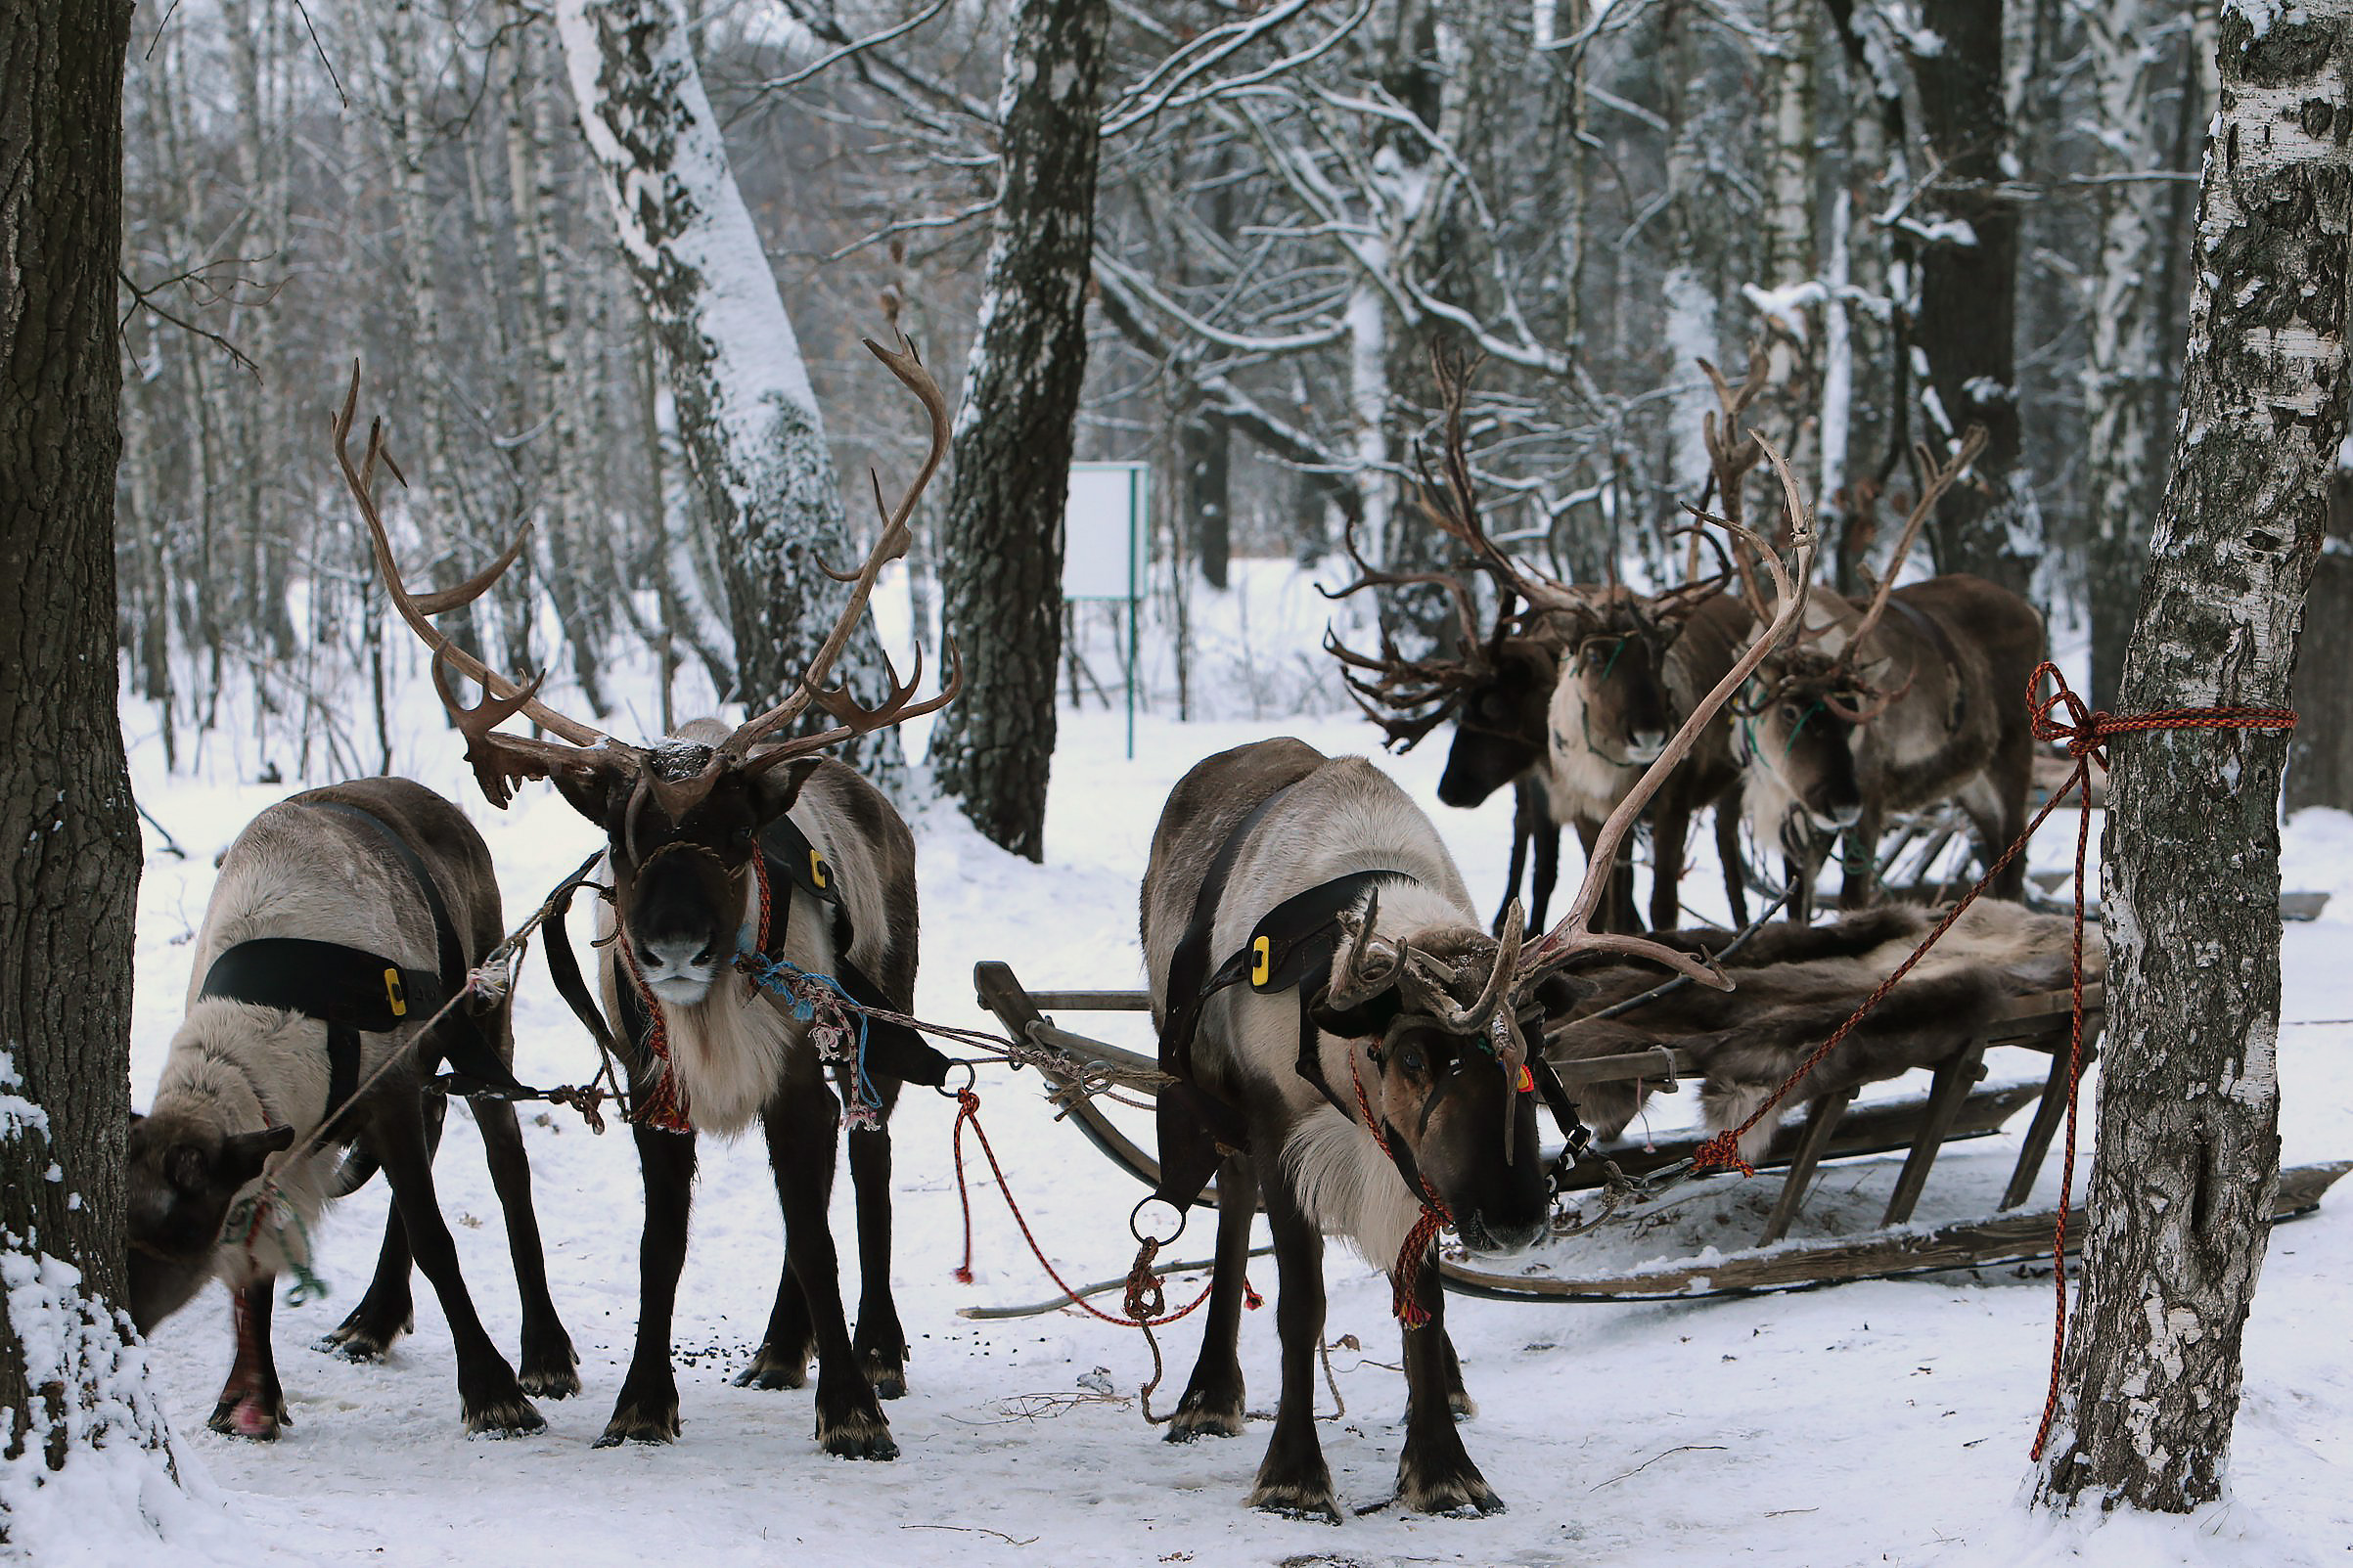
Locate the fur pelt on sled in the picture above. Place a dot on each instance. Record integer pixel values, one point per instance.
(1797, 983)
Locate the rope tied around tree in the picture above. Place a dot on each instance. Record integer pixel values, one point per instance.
(2085, 731)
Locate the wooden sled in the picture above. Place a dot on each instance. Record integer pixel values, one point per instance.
(1957, 1108)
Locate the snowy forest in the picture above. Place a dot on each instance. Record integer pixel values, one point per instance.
(1855, 497)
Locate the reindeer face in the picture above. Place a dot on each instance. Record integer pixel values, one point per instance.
(1804, 738)
(1498, 734)
(685, 899)
(1447, 1085)
(1616, 695)
(183, 1175)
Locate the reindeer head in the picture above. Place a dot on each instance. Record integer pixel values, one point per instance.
(1796, 736)
(1434, 1005)
(184, 1172)
(1597, 652)
(683, 817)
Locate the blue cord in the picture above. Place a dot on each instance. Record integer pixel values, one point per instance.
(776, 976)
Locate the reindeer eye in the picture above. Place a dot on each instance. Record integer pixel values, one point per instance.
(744, 833)
(1788, 711)
(1410, 1059)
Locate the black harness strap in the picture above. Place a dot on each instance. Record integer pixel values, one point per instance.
(459, 1038)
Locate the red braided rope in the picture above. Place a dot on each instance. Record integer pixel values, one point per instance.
(663, 1103)
(1143, 1287)
(1418, 1240)
(2085, 731)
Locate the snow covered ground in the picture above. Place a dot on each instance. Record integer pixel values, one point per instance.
(1872, 1424)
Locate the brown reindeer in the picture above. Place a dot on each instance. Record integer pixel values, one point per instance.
(1885, 714)
(1567, 700)
(1371, 1078)
(341, 921)
(741, 850)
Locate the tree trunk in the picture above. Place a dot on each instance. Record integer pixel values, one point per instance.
(2188, 1145)
(1968, 274)
(2123, 370)
(1001, 546)
(2320, 770)
(69, 1380)
(747, 415)
(1207, 448)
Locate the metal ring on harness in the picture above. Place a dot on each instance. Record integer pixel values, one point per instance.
(1135, 1226)
(971, 1081)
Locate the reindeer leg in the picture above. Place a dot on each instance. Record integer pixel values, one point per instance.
(1669, 827)
(1728, 861)
(1435, 1473)
(1522, 832)
(647, 1407)
(782, 1358)
(549, 1365)
(252, 1404)
(1212, 1402)
(1859, 852)
(1293, 1478)
(487, 1388)
(802, 1123)
(1457, 1394)
(388, 1310)
(1548, 869)
(881, 1341)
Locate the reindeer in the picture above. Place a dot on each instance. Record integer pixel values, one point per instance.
(1567, 701)
(1347, 1085)
(735, 849)
(341, 920)
(1884, 714)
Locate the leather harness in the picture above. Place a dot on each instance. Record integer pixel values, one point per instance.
(353, 991)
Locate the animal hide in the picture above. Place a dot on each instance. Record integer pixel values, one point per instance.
(1795, 984)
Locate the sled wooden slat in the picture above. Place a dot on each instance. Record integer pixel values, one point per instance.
(1821, 1122)
(2008, 1238)
(1952, 1085)
(1092, 1001)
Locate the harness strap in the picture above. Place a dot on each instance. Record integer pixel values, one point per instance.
(459, 1038)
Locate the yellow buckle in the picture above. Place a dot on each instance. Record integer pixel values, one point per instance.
(817, 870)
(394, 995)
(1262, 960)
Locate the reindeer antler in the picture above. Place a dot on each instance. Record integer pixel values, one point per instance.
(1936, 478)
(1575, 934)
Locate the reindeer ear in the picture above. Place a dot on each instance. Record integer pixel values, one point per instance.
(242, 1154)
(590, 790)
(777, 787)
(1366, 1020)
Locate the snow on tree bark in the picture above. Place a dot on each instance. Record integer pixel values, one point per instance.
(71, 1374)
(1001, 545)
(746, 414)
(2189, 1113)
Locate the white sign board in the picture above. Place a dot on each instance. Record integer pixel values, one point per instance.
(1102, 531)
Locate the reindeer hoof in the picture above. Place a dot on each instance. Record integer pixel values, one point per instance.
(769, 1370)
(639, 1426)
(249, 1418)
(504, 1417)
(885, 1370)
(1205, 1415)
(1306, 1497)
(551, 1377)
(365, 1335)
(1461, 1492)
(860, 1435)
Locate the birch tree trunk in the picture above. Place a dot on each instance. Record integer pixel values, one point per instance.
(747, 415)
(1001, 546)
(2189, 1113)
(70, 1380)
(2124, 369)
